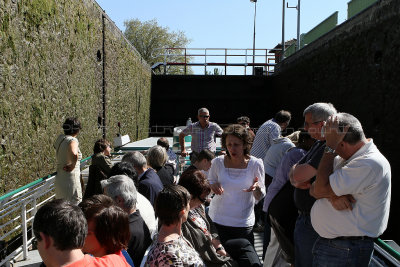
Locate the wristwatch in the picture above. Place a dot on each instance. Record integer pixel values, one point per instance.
(329, 150)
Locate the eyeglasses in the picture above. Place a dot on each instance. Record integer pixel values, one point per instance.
(204, 116)
(202, 200)
(315, 123)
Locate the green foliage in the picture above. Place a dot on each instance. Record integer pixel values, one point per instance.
(149, 38)
(216, 71)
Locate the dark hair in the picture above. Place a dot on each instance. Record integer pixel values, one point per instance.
(205, 154)
(64, 222)
(71, 126)
(282, 116)
(111, 222)
(125, 168)
(195, 182)
(163, 142)
(243, 118)
(100, 145)
(170, 202)
(240, 132)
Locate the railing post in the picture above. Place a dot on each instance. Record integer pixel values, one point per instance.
(24, 232)
(205, 61)
(225, 60)
(185, 60)
(245, 62)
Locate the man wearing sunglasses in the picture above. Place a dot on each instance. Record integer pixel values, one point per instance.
(203, 133)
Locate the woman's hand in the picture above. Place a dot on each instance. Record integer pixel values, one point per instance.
(217, 188)
(69, 167)
(253, 187)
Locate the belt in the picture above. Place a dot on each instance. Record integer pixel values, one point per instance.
(304, 213)
(354, 238)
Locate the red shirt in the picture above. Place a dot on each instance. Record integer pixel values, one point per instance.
(108, 260)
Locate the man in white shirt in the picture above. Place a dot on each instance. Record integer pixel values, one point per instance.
(351, 165)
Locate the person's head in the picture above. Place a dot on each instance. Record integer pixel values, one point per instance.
(236, 140)
(203, 160)
(244, 121)
(163, 142)
(125, 168)
(315, 116)
(156, 157)
(102, 145)
(61, 222)
(197, 184)
(108, 226)
(72, 126)
(282, 118)
(172, 205)
(305, 141)
(137, 160)
(203, 115)
(354, 136)
(122, 190)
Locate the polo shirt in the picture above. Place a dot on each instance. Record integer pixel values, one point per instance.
(203, 138)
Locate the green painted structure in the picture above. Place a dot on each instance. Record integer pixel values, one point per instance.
(356, 6)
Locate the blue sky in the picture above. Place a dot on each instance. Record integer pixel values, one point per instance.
(226, 23)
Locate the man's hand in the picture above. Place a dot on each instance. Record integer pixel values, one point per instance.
(333, 135)
(69, 167)
(217, 188)
(343, 202)
(184, 153)
(303, 185)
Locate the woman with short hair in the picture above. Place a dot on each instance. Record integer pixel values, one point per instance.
(170, 247)
(108, 227)
(237, 179)
(100, 167)
(67, 182)
(156, 159)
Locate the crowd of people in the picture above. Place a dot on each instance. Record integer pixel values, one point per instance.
(321, 194)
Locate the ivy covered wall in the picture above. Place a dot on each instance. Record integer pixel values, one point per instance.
(52, 54)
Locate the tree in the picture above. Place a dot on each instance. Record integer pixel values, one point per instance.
(149, 38)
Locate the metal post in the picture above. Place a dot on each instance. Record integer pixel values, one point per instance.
(283, 30)
(298, 25)
(24, 232)
(104, 88)
(254, 33)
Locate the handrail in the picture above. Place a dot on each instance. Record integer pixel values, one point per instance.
(388, 249)
(186, 57)
(35, 182)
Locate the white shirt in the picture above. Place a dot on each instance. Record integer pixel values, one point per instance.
(147, 213)
(366, 176)
(235, 207)
(275, 154)
(263, 139)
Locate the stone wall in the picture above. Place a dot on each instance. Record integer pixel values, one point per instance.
(51, 67)
(356, 68)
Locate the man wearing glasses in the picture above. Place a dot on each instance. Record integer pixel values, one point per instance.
(302, 175)
(203, 133)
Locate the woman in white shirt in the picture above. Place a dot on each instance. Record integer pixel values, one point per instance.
(237, 180)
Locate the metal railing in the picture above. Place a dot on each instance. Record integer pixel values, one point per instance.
(18, 209)
(214, 57)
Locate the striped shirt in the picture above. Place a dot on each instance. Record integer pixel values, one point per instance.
(269, 131)
(203, 138)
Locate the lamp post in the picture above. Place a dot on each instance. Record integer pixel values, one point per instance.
(298, 23)
(254, 31)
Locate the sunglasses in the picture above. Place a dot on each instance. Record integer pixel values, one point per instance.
(205, 116)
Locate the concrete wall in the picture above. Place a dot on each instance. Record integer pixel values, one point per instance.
(51, 67)
(356, 68)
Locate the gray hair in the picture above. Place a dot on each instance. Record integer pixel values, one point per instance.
(157, 156)
(355, 133)
(122, 186)
(135, 158)
(320, 111)
(203, 110)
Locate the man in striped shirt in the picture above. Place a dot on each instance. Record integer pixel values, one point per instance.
(269, 131)
(203, 133)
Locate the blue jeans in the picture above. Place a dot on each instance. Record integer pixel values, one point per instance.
(304, 239)
(338, 252)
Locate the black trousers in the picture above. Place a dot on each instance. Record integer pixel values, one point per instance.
(227, 232)
(243, 252)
